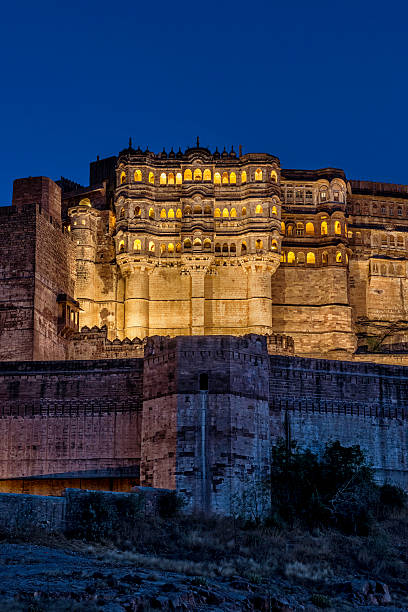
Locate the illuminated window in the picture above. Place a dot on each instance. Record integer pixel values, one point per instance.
(225, 178)
(179, 178)
(233, 212)
(163, 178)
(178, 247)
(163, 214)
(171, 178)
(171, 214)
(162, 248)
(338, 257)
(274, 176)
(243, 212)
(283, 257)
(258, 174)
(121, 246)
(170, 248)
(301, 258)
(300, 229)
(151, 213)
(207, 244)
(225, 212)
(323, 195)
(197, 242)
(243, 248)
(83, 221)
(309, 229)
(325, 258)
(274, 245)
(336, 196)
(282, 227)
(122, 177)
(188, 175)
(187, 244)
(151, 178)
(290, 230)
(233, 178)
(178, 213)
(137, 245)
(138, 176)
(151, 246)
(198, 175)
(207, 175)
(259, 244)
(122, 213)
(274, 210)
(337, 227)
(323, 228)
(217, 178)
(243, 177)
(217, 212)
(258, 209)
(138, 212)
(291, 257)
(310, 258)
(85, 202)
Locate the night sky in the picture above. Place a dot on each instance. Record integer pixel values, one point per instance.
(315, 83)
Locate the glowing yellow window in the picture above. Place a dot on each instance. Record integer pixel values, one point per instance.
(137, 245)
(309, 229)
(151, 246)
(207, 175)
(178, 247)
(187, 244)
(151, 178)
(258, 174)
(323, 228)
(179, 178)
(188, 175)
(122, 213)
(122, 177)
(225, 178)
(243, 211)
(274, 176)
(338, 257)
(274, 210)
(163, 178)
(178, 213)
(162, 248)
(337, 227)
(121, 246)
(163, 214)
(217, 178)
(198, 175)
(282, 227)
(258, 209)
(259, 244)
(291, 257)
(138, 176)
(138, 211)
(197, 242)
(217, 212)
(283, 257)
(151, 213)
(171, 178)
(171, 214)
(233, 212)
(310, 258)
(243, 177)
(225, 212)
(85, 202)
(170, 248)
(233, 178)
(274, 245)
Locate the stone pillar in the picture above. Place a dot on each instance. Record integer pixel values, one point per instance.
(197, 267)
(259, 283)
(136, 298)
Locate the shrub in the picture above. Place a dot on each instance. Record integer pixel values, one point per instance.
(169, 504)
(392, 496)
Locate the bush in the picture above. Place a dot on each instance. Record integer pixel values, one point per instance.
(392, 496)
(170, 504)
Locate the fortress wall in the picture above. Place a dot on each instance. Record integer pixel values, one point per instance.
(311, 305)
(226, 305)
(170, 303)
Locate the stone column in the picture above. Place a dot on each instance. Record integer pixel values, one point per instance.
(197, 268)
(136, 299)
(259, 284)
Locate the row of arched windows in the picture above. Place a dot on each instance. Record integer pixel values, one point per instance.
(377, 210)
(197, 210)
(206, 245)
(300, 195)
(385, 270)
(176, 178)
(310, 258)
(308, 229)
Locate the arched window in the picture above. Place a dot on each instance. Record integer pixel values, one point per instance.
(399, 270)
(291, 257)
(121, 246)
(85, 202)
(137, 245)
(207, 244)
(179, 178)
(274, 176)
(400, 242)
(233, 212)
(218, 248)
(290, 230)
(151, 178)
(225, 178)
(301, 257)
(392, 241)
(243, 212)
(138, 211)
(233, 249)
(187, 244)
(217, 178)
(337, 228)
(233, 178)
(171, 178)
(391, 270)
(171, 214)
(122, 213)
(309, 196)
(178, 247)
(217, 212)
(198, 175)
(138, 176)
(323, 195)
(225, 248)
(207, 175)
(384, 240)
(283, 257)
(274, 245)
(163, 178)
(243, 177)
(339, 258)
(323, 228)
(259, 244)
(187, 210)
(243, 248)
(188, 175)
(309, 229)
(197, 242)
(274, 210)
(162, 248)
(225, 212)
(325, 258)
(300, 229)
(151, 213)
(258, 174)
(178, 213)
(170, 247)
(197, 210)
(258, 209)
(282, 227)
(163, 214)
(151, 246)
(310, 258)
(122, 177)
(207, 209)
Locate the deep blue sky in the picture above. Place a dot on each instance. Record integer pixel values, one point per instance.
(315, 83)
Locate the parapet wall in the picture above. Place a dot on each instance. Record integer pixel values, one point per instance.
(94, 344)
